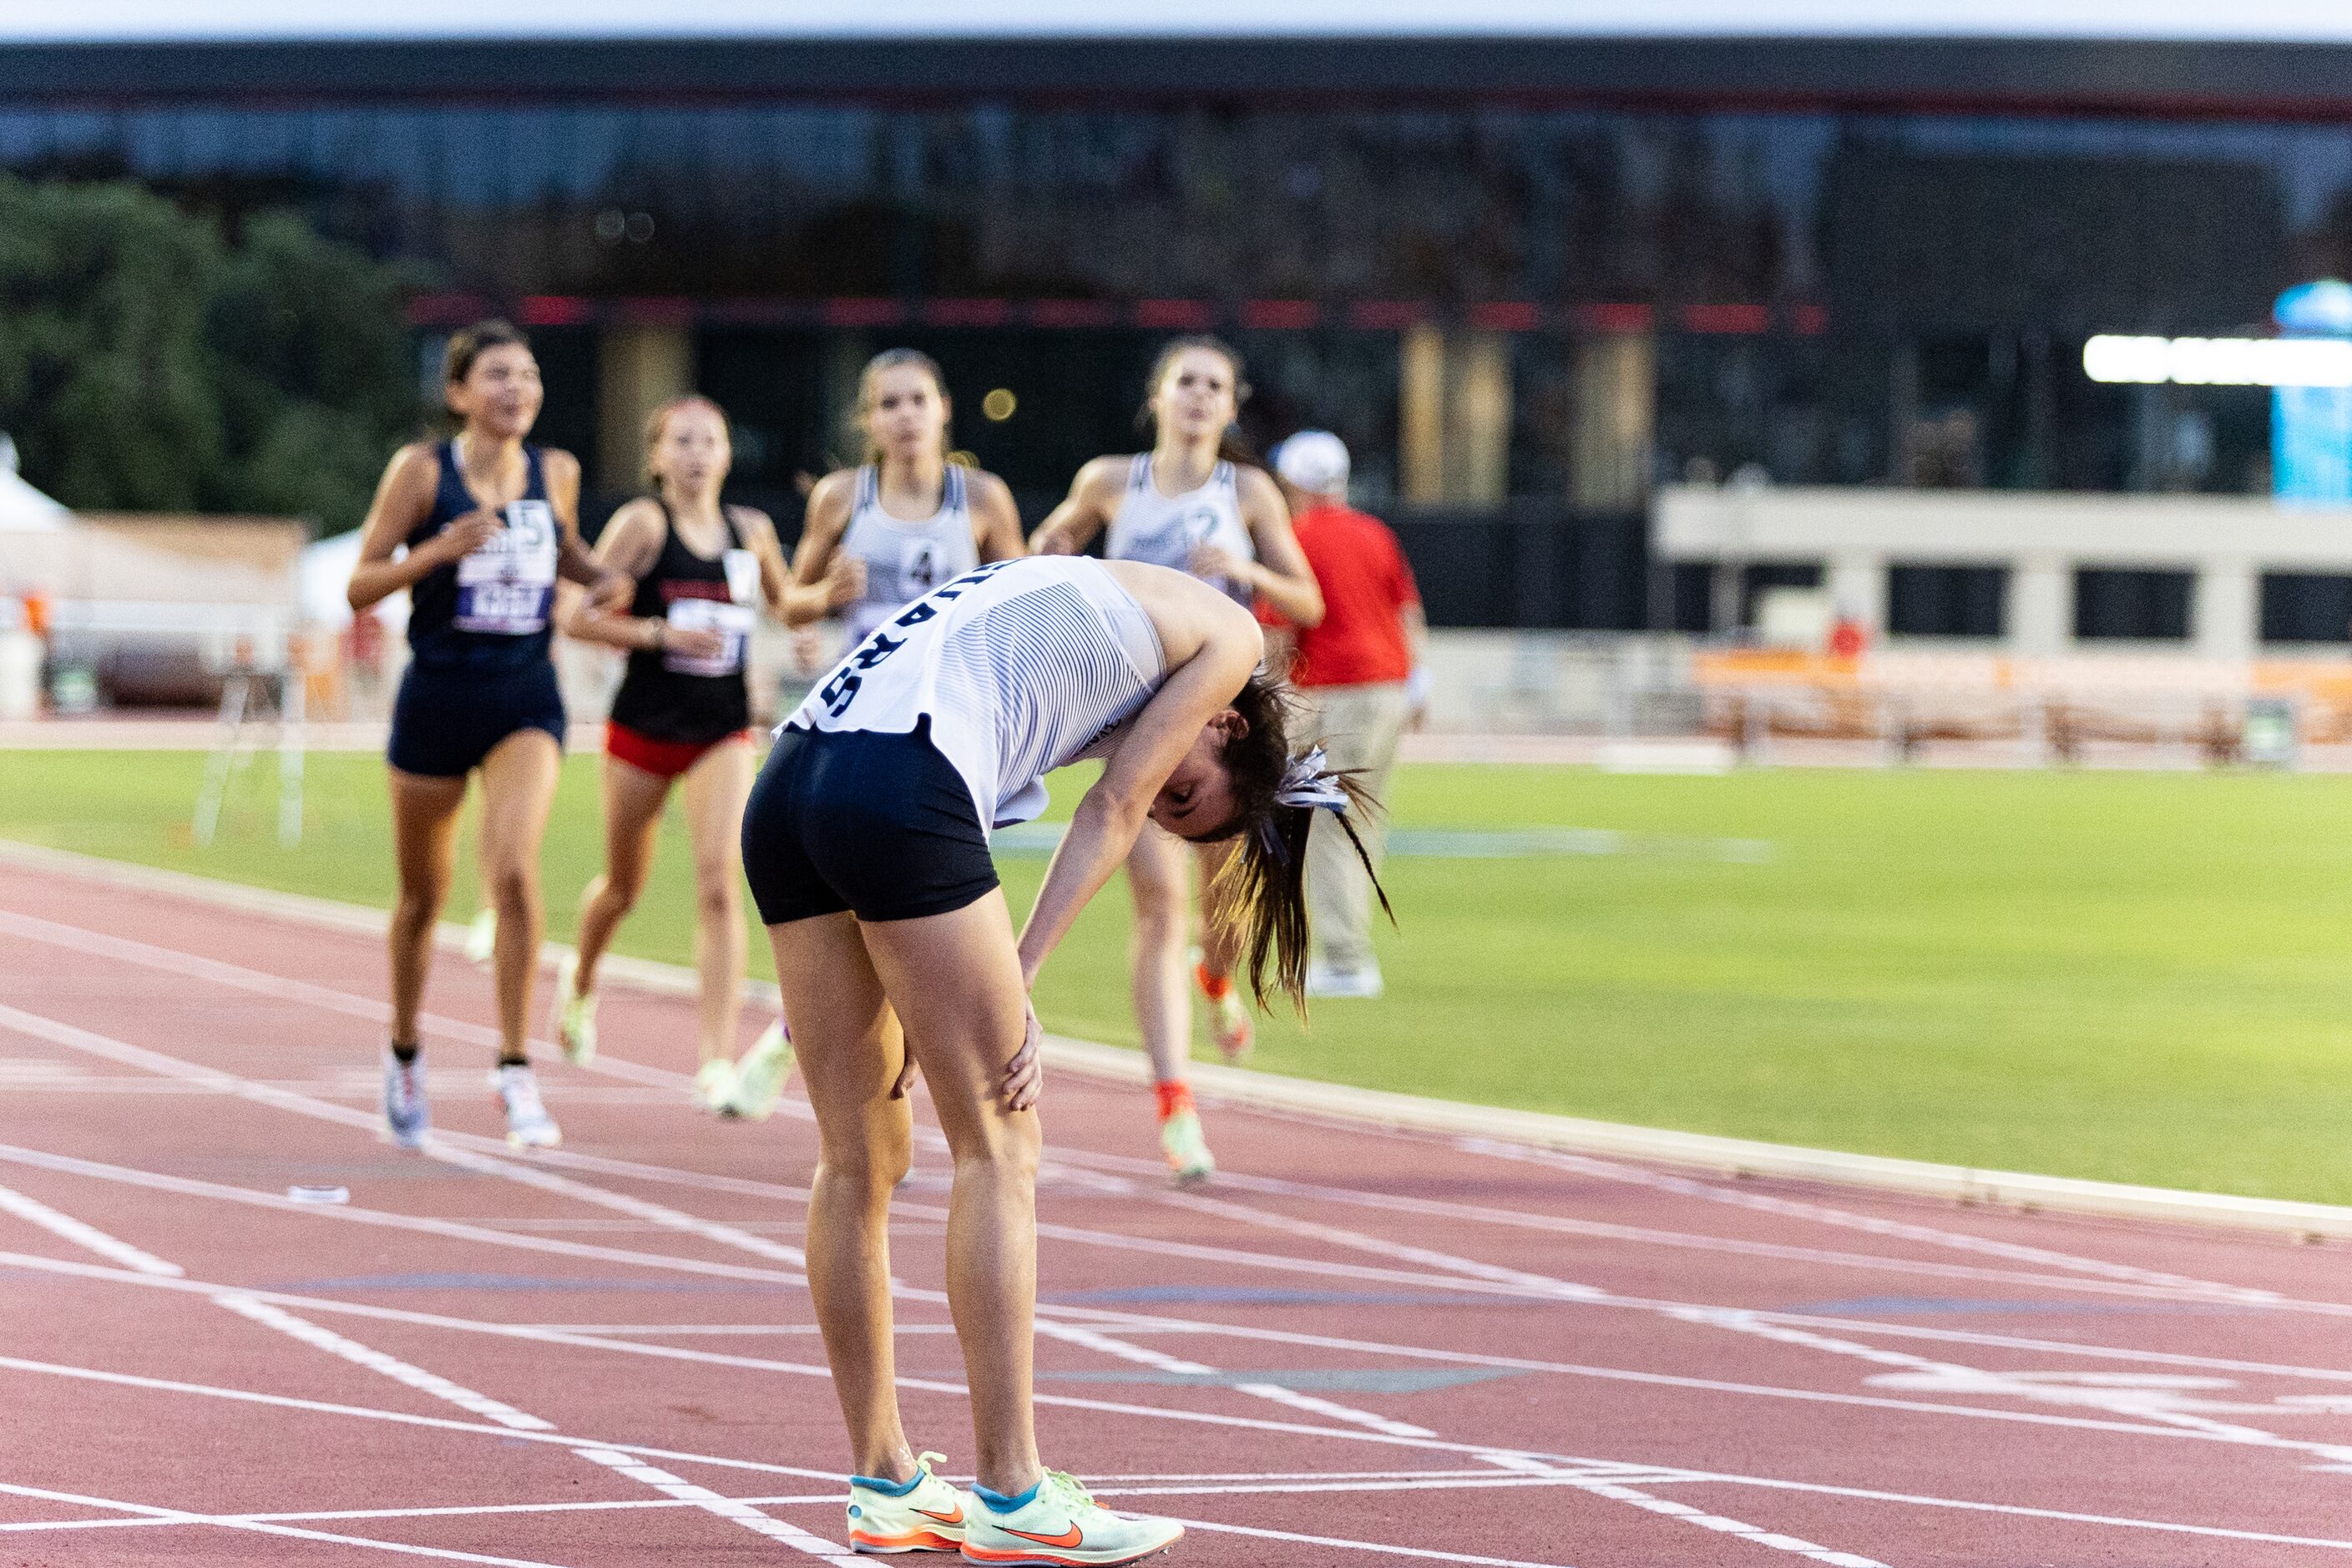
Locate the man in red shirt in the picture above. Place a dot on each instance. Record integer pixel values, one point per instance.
(1360, 673)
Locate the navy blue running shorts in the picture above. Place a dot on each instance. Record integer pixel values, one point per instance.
(881, 825)
(446, 720)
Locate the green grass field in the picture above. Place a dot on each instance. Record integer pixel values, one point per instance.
(2142, 977)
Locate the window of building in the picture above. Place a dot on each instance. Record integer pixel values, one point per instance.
(1947, 601)
(2307, 606)
(2132, 604)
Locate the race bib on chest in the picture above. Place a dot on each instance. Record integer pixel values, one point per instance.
(506, 587)
(742, 569)
(731, 622)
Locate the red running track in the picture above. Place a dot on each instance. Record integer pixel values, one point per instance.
(1356, 1347)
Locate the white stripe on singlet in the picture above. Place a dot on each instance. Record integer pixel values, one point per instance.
(1022, 667)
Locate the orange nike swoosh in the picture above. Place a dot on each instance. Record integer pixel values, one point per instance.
(1070, 1537)
(955, 1517)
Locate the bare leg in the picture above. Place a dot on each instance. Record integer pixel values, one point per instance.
(716, 788)
(633, 808)
(425, 844)
(1163, 994)
(955, 979)
(1221, 941)
(518, 787)
(851, 1052)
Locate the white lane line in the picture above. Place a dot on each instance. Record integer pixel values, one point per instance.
(1825, 1214)
(1149, 1180)
(1089, 1338)
(1482, 1450)
(1665, 1379)
(1618, 1490)
(2021, 1511)
(80, 939)
(376, 1361)
(732, 1509)
(1380, 1549)
(180, 1516)
(439, 1148)
(1488, 1453)
(89, 1236)
(351, 1214)
(1516, 1282)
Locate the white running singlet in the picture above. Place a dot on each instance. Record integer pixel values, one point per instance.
(1022, 667)
(905, 561)
(1164, 531)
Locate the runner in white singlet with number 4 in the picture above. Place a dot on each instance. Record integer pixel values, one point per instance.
(1186, 505)
(885, 533)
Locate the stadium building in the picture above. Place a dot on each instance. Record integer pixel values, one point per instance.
(1530, 275)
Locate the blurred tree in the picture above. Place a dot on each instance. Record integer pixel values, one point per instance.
(148, 364)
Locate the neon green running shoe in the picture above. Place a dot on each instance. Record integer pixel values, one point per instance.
(1057, 1525)
(924, 1514)
(575, 1015)
(1187, 1150)
(760, 1075)
(715, 1087)
(482, 937)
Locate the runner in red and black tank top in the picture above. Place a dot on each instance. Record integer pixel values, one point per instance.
(681, 717)
(679, 700)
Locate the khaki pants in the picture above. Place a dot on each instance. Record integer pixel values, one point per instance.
(1358, 726)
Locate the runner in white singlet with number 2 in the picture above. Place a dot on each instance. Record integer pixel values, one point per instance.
(1188, 505)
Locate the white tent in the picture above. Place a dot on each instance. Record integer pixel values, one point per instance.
(23, 508)
(325, 573)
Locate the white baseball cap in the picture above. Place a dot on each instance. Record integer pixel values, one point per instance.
(1314, 460)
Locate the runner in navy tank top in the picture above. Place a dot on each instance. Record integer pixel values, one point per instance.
(683, 712)
(478, 529)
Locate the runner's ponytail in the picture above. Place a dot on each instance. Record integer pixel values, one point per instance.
(1262, 887)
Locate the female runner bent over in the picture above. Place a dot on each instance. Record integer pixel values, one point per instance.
(866, 848)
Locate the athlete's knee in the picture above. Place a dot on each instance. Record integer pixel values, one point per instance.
(619, 895)
(513, 886)
(1159, 929)
(1004, 1152)
(871, 1169)
(717, 893)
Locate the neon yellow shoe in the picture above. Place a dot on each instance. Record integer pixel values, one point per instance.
(715, 1087)
(1187, 1150)
(482, 937)
(924, 1514)
(760, 1075)
(575, 1015)
(1058, 1525)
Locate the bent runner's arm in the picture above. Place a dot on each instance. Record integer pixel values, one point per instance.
(1218, 644)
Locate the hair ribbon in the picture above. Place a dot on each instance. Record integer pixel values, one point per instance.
(1308, 782)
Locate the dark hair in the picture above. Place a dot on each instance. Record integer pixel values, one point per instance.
(466, 346)
(470, 344)
(1230, 445)
(894, 359)
(1262, 887)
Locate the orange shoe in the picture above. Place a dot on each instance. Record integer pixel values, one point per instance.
(1229, 1017)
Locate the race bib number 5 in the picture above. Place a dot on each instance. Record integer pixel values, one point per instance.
(506, 587)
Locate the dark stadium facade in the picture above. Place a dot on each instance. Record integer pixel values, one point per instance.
(1527, 281)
